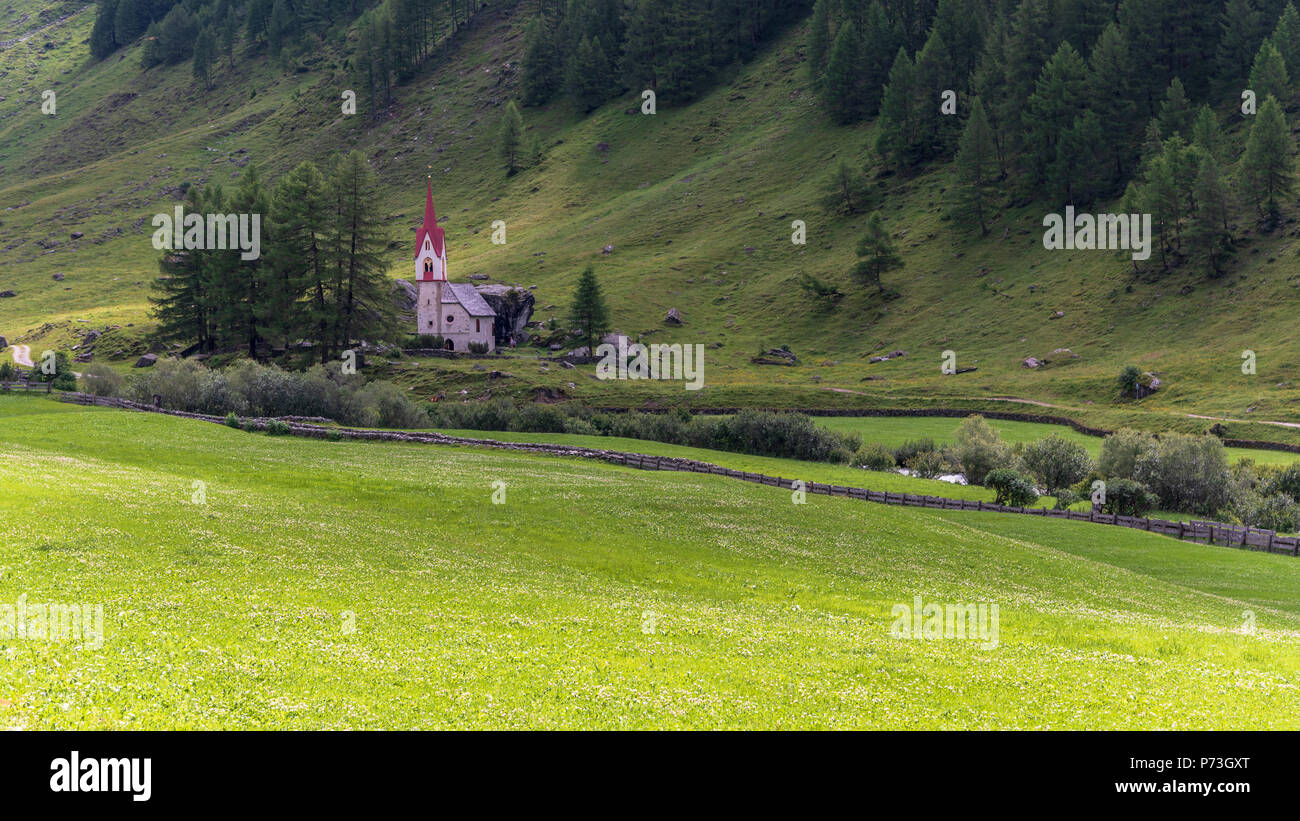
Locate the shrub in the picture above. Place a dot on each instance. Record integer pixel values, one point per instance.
(100, 380)
(478, 347)
(277, 428)
(1286, 480)
(1277, 511)
(913, 448)
(232, 421)
(184, 385)
(1013, 488)
(875, 456)
(1187, 473)
(578, 425)
(63, 378)
(1120, 452)
(1057, 462)
(1128, 380)
(928, 464)
(1127, 497)
(6, 371)
(538, 419)
(977, 449)
(1065, 498)
(392, 407)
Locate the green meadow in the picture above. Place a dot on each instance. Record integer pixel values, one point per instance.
(321, 584)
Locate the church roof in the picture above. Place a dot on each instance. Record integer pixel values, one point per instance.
(468, 297)
(430, 228)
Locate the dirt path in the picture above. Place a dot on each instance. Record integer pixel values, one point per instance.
(23, 356)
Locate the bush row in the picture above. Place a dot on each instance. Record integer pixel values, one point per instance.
(251, 389)
(762, 433)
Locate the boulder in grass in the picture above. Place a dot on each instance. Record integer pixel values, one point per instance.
(674, 317)
(1031, 362)
(7, 294)
(146, 361)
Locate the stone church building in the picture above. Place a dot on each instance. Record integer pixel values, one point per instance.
(452, 310)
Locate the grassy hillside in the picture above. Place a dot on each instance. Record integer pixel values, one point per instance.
(695, 602)
(697, 202)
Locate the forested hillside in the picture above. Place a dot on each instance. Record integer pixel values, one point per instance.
(920, 144)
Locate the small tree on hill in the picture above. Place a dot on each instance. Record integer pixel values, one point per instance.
(588, 312)
(977, 168)
(847, 190)
(205, 52)
(1267, 168)
(876, 254)
(512, 129)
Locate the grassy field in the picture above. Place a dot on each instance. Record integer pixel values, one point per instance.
(594, 596)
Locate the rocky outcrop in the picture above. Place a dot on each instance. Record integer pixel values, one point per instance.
(404, 299)
(514, 308)
(146, 361)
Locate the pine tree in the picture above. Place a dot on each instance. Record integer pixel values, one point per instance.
(131, 20)
(876, 254)
(258, 20)
(300, 217)
(205, 51)
(542, 66)
(362, 307)
(1267, 167)
(991, 85)
(1286, 38)
(977, 168)
(935, 76)
(229, 34)
(182, 301)
(1073, 176)
(898, 128)
(587, 77)
(1052, 109)
(238, 284)
(880, 41)
(512, 129)
(1208, 230)
(1175, 112)
(1243, 30)
(846, 192)
(279, 30)
(1268, 76)
(102, 40)
(819, 40)
(1205, 133)
(841, 86)
(588, 312)
(1109, 81)
(1027, 51)
(960, 26)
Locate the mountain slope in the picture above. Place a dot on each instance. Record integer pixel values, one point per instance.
(696, 201)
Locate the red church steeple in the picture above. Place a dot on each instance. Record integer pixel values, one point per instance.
(430, 230)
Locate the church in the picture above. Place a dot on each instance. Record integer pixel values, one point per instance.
(451, 310)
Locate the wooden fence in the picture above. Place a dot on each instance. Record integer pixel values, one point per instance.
(1202, 532)
(28, 387)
